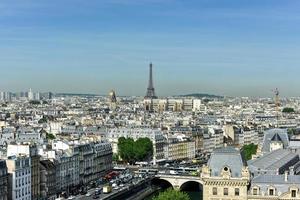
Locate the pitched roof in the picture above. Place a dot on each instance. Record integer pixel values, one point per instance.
(276, 138)
(269, 135)
(226, 157)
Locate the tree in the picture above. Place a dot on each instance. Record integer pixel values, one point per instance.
(35, 102)
(144, 148)
(115, 157)
(43, 120)
(132, 151)
(249, 150)
(288, 110)
(50, 136)
(291, 131)
(171, 194)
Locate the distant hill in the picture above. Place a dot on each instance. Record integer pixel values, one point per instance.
(200, 95)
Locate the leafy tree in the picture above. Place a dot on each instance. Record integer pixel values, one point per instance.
(132, 151)
(115, 157)
(249, 150)
(35, 102)
(50, 136)
(291, 131)
(43, 120)
(171, 194)
(288, 110)
(7, 115)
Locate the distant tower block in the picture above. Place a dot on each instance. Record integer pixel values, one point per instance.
(112, 99)
(150, 90)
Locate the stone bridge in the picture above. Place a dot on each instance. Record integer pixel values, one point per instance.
(181, 182)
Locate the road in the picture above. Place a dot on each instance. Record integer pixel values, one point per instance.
(102, 195)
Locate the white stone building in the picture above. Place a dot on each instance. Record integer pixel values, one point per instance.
(212, 138)
(19, 168)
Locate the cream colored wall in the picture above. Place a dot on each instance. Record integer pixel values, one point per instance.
(208, 192)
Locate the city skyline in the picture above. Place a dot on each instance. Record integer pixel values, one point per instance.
(231, 49)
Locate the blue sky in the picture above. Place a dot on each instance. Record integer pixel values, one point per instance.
(228, 47)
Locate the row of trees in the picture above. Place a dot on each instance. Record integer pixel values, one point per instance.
(132, 151)
(288, 110)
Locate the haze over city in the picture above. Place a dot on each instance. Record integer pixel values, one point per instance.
(232, 48)
(149, 99)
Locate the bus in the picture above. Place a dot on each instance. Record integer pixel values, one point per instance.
(148, 171)
(117, 168)
(185, 170)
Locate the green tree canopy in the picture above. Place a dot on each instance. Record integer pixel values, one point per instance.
(171, 194)
(50, 136)
(132, 151)
(288, 110)
(43, 120)
(249, 150)
(35, 102)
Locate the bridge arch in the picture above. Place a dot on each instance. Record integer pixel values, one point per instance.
(161, 182)
(191, 186)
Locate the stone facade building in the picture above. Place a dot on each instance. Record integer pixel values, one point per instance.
(179, 149)
(226, 176)
(274, 176)
(102, 161)
(48, 179)
(279, 187)
(3, 180)
(19, 168)
(32, 152)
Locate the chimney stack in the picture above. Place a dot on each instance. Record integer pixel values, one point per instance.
(286, 173)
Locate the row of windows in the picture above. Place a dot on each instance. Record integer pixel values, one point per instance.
(22, 181)
(226, 192)
(21, 193)
(23, 172)
(271, 192)
(23, 162)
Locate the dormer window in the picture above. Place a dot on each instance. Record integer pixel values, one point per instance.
(226, 169)
(294, 193)
(255, 191)
(271, 192)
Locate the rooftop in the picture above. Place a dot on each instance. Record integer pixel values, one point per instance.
(226, 157)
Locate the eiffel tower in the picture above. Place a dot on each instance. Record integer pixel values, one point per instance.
(150, 90)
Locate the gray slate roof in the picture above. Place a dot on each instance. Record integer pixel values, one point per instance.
(274, 161)
(226, 157)
(277, 181)
(276, 135)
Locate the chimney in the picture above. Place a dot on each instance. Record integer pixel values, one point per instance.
(286, 173)
(292, 172)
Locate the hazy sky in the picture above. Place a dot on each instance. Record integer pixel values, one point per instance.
(229, 47)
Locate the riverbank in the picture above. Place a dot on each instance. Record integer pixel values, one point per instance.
(142, 195)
